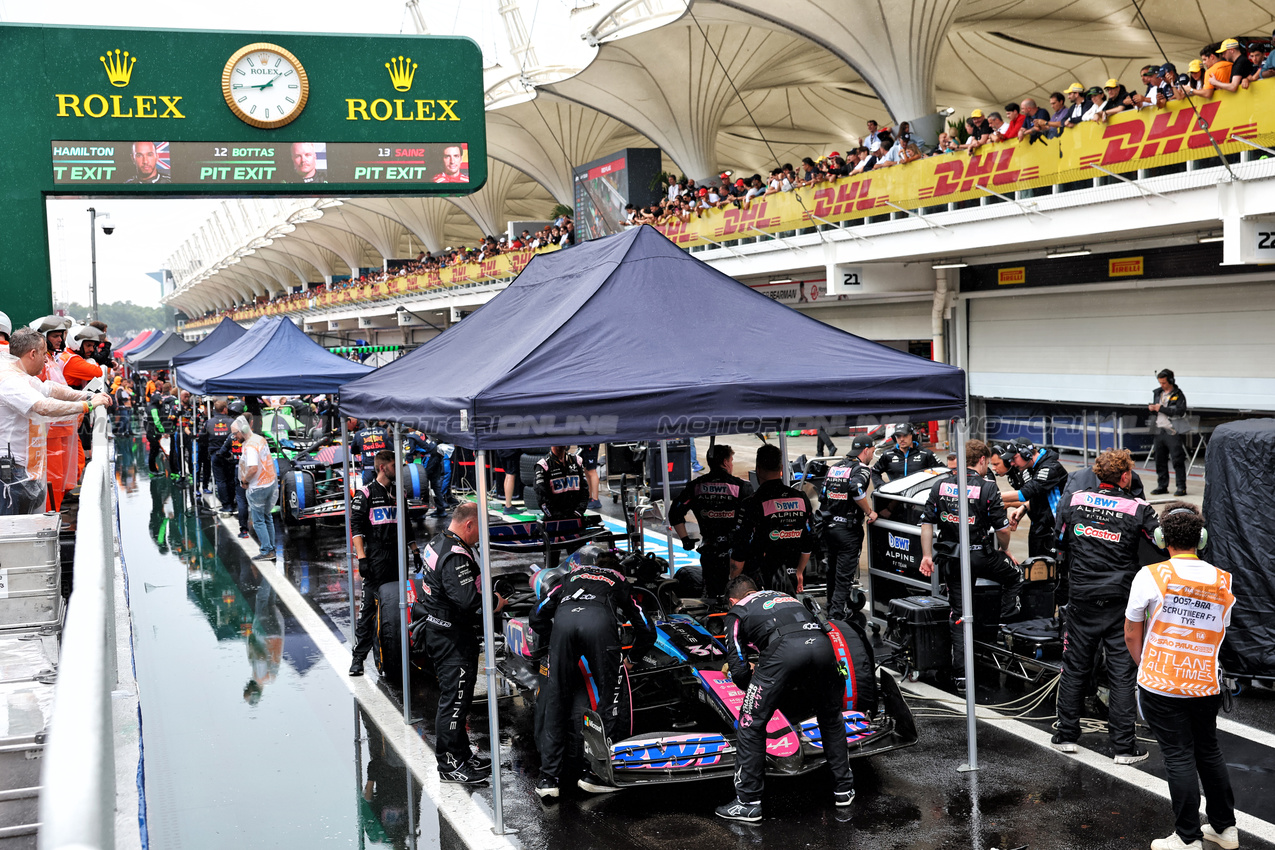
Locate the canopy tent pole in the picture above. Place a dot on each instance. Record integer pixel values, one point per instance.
(402, 520)
(489, 631)
(668, 504)
(783, 457)
(194, 452)
(967, 596)
(349, 526)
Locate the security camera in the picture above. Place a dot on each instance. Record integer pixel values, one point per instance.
(108, 229)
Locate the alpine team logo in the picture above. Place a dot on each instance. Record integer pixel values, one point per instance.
(1096, 533)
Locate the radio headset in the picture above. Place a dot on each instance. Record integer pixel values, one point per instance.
(1158, 536)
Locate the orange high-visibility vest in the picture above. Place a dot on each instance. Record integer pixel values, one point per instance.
(1184, 633)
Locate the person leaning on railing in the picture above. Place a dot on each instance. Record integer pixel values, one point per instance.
(26, 404)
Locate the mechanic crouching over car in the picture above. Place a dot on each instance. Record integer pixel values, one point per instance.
(1101, 529)
(453, 612)
(797, 669)
(580, 620)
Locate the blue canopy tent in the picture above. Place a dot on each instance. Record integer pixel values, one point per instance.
(273, 358)
(159, 356)
(632, 338)
(221, 336)
(132, 357)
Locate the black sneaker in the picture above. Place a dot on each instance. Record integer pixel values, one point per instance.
(843, 798)
(1062, 745)
(461, 774)
(479, 762)
(1160, 491)
(1181, 491)
(1136, 755)
(546, 786)
(739, 810)
(356, 667)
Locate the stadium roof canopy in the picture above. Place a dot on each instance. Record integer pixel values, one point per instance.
(715, 84)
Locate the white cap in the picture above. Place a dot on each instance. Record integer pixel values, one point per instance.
(6, 326)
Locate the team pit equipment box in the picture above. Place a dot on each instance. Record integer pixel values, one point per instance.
(894, 543)
(30, 571)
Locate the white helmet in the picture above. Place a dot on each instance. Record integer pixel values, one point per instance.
(79, 334)
(45, 324)
(6, 326)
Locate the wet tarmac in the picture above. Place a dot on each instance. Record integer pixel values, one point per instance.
(253, 739)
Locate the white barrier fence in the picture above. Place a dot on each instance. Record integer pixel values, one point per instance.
(77, 801)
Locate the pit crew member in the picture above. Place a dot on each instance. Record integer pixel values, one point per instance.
(452, 601)
(1101, 530)
(579, 618)
(843, 504)
(1169, 424)
(772, 539)
(1041, 480)
(797, 670)
(560, 484)
(904, 458)
(989, 542)
(714, 499)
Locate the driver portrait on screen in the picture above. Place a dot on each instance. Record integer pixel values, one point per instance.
(305, 163)
(146, 164)
(453, 159)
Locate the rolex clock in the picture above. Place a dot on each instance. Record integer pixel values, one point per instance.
(265, 85)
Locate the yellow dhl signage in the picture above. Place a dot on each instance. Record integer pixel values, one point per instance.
(1127, 142)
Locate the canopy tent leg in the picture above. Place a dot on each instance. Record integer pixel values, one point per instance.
(967, 597)
(783, 457)
(489, 632)
(404, 637)
(349, 527)
(668, 503)
(194, 455)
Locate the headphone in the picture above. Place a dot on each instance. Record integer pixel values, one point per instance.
(1026, 450)
(1158, 536)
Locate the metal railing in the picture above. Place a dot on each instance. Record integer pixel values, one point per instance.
(77, 800)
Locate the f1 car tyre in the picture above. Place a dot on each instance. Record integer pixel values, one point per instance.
(415, 482)
(299, 493)
(389, 648)
(527, 468)
(529, 500)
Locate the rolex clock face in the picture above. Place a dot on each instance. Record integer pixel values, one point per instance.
(265, 85)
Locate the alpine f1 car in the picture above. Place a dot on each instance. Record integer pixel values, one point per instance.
(679, 709)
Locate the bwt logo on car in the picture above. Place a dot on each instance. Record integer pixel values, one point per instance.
(903, 544)
(1096, 533)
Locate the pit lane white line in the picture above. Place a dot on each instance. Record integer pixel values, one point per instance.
(469, 815)
(656, 543)
(1040, 734)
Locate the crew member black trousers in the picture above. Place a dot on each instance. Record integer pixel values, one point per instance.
(842, 544)
(585, 643)
(1169, 446)
(793, 676)
(1095, 626)
(995, 567)
(455, 658)
(1186, 729)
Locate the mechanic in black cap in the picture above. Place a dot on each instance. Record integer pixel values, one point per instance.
(904, 458)
(229, 456)
(1001, 465)
(843, 504)
(1101, 532)
(365, 443)
(772, 539)
(1169, 425)
(714, 499)
(579, 618)
(1041, 481)
(989, 543)
(797, 670)
(374, 526)
(217, 432)
(453, 614)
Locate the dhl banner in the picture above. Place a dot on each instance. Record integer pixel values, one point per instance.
(1126, 142)
(504, 265)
